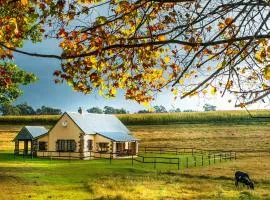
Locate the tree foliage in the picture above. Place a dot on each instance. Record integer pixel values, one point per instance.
(17, 23)
(25, 109)
(209, 107)
(45, 110)
(192, 47)
(11, 77)
(159, 109)
(112, 110)
(95, 110)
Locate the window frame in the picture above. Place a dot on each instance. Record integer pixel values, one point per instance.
(90, 145)
(66, 145)
(104, 148)
(44, 145)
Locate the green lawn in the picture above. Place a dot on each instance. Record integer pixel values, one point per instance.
(97, 179)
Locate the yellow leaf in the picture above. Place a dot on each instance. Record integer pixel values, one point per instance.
(93, 59)
(145, 103)
(113, 91)
(187, 75)
(167, 59)
(175, 92)
(266, 73)
(182, 82)
(151, 109)
(213, 90)
(100, 92)
(14, 21)
(258, 57)
(229, 84)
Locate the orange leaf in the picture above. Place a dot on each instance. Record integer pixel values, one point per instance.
(24, 2)
(228, 21)
(161, 37)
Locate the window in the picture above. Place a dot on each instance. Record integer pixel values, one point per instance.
(42, 146)
(103, 147)
(90, 145)
(66, 145)
(71, 145)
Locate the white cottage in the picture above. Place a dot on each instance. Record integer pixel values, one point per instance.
(80, 135)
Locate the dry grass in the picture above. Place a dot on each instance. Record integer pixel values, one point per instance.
(236, 137)
(6, 138)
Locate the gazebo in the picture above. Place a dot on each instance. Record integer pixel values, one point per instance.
(28, 134)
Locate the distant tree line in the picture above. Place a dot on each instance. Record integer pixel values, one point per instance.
(160, 109)
(25, 109)
(108, 110)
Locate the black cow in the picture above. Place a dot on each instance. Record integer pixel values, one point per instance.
(243, 177)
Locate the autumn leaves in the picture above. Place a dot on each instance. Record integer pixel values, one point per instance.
(141, 47)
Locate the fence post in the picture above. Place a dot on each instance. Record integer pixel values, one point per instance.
(195, 160)
(144, 149)
(111, 158)
(155, 162)
(202, 160)
(214, 158)
(187, 162)
(209, 159)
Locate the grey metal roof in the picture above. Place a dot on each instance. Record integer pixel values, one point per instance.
(30, 132)
(118, 136)
(92, 123)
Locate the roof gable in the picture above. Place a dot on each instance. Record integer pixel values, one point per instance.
(30, 132)
(91, 123)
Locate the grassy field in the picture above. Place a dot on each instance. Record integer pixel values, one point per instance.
(45, 179)
(156, 118)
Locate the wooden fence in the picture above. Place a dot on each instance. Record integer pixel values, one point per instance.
(191, 157)
(199, 157)
(70, 155)
(176, 151)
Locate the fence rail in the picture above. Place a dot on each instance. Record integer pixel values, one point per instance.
(198, 157)
(72, 155)
(176, 151)
(191, 157)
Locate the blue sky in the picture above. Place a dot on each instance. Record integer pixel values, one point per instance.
(45, 92)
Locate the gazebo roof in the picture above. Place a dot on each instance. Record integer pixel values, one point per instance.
(30, 132)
